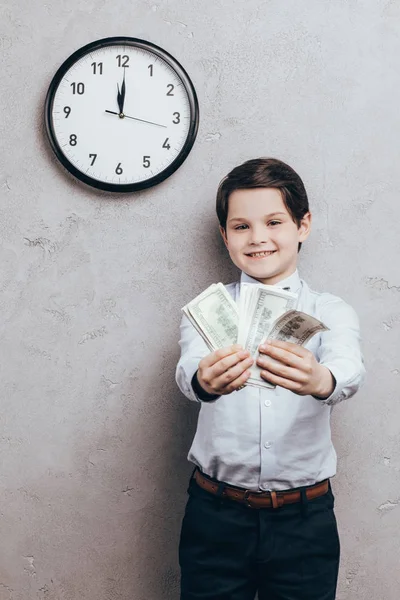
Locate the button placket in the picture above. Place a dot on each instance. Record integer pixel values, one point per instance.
(267, 432)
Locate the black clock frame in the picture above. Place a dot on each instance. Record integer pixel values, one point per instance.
(193, 102)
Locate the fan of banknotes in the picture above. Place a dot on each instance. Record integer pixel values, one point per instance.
(262, 311)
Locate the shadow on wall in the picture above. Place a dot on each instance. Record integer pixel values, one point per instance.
(161, 431)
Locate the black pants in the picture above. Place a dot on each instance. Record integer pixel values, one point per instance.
(228, 551)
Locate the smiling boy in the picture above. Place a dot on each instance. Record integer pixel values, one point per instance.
(260, 511)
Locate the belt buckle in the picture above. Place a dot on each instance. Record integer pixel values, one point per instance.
(276, 500)
(246, 498)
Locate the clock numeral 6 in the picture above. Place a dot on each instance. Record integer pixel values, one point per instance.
(93, 157)
(146, 162)
(170, 89)
(177, 118)
(166, 145)
(73, 140)
(78, 88)
(118, 169)
(67, 110)
(123, 60)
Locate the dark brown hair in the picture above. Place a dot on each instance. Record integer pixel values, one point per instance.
(266, 173)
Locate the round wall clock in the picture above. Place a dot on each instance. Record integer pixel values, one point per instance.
(121, 114)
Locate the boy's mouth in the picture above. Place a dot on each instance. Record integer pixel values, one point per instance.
(261, 254)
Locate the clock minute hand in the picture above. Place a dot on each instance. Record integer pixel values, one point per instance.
(122, 94)
(111, 112)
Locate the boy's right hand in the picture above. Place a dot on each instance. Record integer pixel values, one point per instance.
(225, 370)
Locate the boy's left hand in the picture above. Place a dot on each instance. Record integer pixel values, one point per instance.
(297, 370)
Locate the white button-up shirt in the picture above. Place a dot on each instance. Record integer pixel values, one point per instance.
(274, 439)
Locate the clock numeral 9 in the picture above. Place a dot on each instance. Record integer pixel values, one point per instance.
(93, 157)
(78, 88)
(97, 68)
(67, 110)
(123, 60)
(118, 169)
(146, 162)
(73, 140)
(170, 89)
(166, 145)
(177, 118)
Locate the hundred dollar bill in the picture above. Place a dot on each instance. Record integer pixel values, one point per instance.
(262, 312)
(296, 327)
(259, 307)
(214, 314)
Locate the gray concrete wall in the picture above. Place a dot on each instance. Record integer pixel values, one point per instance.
(93, 432)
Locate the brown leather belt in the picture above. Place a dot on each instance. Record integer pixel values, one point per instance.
(260, 499)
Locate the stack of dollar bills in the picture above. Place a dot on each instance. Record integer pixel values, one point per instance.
(261, 312)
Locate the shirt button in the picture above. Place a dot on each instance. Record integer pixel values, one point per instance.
(267, 402)
(267, 445)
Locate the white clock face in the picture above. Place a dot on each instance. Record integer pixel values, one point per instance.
(121, 115)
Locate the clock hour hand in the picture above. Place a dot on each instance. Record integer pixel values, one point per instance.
(122, 116)
(119, 99)
(121, 96)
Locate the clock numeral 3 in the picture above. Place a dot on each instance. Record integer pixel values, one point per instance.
(177, 118)
(146, 162)
(118, 169)
(170, 89)
(93, 157)
(123, 60)
(97, 68)
(78, 88)
(166, 145)
(67, 110)
(73, 140)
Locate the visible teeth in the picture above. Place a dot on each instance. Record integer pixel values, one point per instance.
(262, 253)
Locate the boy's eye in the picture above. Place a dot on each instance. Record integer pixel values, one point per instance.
(241, 226)
(274, 223)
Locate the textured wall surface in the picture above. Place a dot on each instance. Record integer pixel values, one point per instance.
(93, 432)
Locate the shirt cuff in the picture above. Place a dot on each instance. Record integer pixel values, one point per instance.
(200, 393)
(338, 393)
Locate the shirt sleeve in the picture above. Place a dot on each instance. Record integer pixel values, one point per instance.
(340, 349)
(193, 349)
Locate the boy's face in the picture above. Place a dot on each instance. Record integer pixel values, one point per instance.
(259, 222)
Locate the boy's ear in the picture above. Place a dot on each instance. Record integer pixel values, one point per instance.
(223, 233)
(305, 227)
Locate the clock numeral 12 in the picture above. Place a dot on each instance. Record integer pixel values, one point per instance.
(93, 157)
(123, 60)
(97, 68)
(118, 169)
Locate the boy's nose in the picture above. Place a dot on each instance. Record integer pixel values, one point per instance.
(259, 236)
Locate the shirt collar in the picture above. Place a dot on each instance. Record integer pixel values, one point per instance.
(293, 281)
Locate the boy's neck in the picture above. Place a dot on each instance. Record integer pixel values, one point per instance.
(292, 281)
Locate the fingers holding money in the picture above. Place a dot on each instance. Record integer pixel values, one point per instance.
(294, 368)
(285, 364)
(224, 370)
(285, 352)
